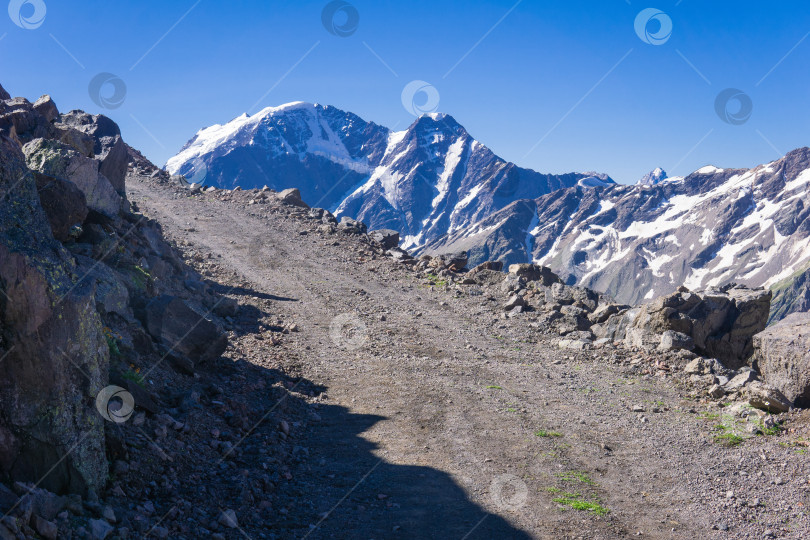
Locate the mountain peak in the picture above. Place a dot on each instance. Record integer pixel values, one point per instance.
(424, 181)
(291, 106)
(653, 177)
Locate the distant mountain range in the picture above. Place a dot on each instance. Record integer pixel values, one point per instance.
(445, 191)
(431, 179)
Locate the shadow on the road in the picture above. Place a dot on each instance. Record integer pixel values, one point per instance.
(244, 291)
(348, 492)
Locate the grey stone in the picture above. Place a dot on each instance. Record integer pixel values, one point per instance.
(739, 381)
(387, 238)
(672, 341)
(228, 519)
(47, 108)
(716, 391)
(59, 160)
(177, 326)
(100, 529)
(352, 226)
(64, 204)
(782, 355)
(695, 367)
(513, 302)
(533, 272)
(766, 397)
(46, 529)
(292, 197)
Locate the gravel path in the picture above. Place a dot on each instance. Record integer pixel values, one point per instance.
(441, 419)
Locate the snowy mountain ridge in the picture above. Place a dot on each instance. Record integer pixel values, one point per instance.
(713, 227)
(426, 181)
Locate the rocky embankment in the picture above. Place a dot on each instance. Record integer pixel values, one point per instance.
(106, 334)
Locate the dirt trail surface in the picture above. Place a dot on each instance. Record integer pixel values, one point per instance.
(437, 418)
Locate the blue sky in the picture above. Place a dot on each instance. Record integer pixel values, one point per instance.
(557, 86)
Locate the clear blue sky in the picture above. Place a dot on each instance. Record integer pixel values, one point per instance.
(533, 77)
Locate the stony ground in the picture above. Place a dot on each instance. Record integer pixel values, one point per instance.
(359, 400)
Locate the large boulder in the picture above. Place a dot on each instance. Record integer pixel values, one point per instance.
(533, 272)
(181, 329)
(766, 397)
(47, 108)
(721, 322)
(21, 122)
(292, 197)
(494, 266)
(81, 142)
(352, 226)
(114, 159)
(60, 160)
(55, 355)
(455, 262)
(111, 293)
(108, 146)
(64, 204)
(782, 356)
(386, 238)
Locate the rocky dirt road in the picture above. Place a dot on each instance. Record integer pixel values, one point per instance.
(438, 418)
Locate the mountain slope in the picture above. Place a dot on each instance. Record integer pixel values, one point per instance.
(638, 242)
(427, 181)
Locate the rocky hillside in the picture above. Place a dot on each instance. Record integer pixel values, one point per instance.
(636, 243)
(424, 182)
(100, 322)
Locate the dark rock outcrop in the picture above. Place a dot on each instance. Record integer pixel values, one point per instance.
(55, 354)
(179, 328)
(59, 160)
(722, 322)
(64, 204)
(77, 271)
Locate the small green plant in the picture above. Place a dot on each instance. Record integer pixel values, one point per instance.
(776, 429)
(115, 352)
(544, 433)
(134, 374)
(576, 476)
(436, 281)
(494, 387)
(140, 276)
(112, 342)
(728, 439)
(576, 502)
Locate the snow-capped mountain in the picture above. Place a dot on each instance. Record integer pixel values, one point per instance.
(638, 242)
(427, 181)
(654, 177)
